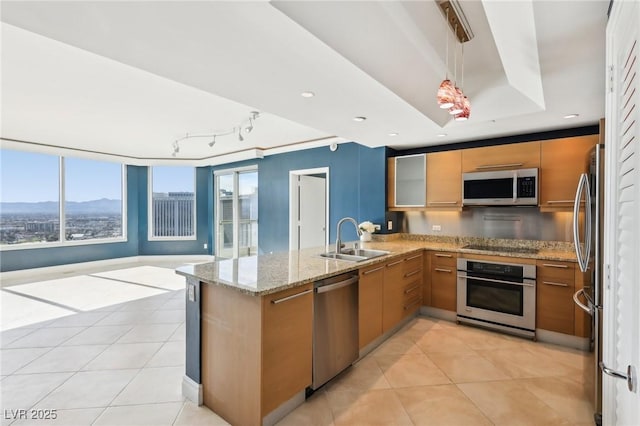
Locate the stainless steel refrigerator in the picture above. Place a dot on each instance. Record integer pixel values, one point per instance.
(588, 239)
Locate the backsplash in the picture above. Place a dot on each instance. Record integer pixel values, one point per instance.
(523, 223)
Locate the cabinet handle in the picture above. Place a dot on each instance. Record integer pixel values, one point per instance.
(409, 306)
(443, 255)
(443, 202)
(414, 257)
(560, 201)
(555, 265)
(498, 166)
(442, 270)
(371, 271)
(293, 296)
(408, 274)
(409, 290)
(395, 263)
(556, 284)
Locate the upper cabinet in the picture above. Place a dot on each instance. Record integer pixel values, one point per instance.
(562, 162)
(407, 181)
(501, 157)
(444, 180)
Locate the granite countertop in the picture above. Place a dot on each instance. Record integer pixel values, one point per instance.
(270, 273)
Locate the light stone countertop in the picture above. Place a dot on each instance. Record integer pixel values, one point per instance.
(270, 273)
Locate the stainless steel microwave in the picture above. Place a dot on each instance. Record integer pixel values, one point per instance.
(500, 188)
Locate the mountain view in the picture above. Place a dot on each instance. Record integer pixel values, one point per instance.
(102, 206)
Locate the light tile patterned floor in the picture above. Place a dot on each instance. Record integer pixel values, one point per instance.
(112, 353)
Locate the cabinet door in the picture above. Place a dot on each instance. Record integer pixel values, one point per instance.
(391, 183)
(287, 329)
(393, 294)
(554, 296)
(410, 181)
(412, 290)
(370, 304)
(443, 281)
(561, 164)
(501, 157)
(444, 179)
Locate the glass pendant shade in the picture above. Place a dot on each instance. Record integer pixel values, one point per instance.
(466, 111)
(446, 94)
(458, 103)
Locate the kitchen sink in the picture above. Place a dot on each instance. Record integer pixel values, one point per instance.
(354, 255)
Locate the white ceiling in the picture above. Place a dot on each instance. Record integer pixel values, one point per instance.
(127, 79)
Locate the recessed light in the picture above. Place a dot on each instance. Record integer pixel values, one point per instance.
(441, 135)
(307, 94)
(394, 134)
(359, 118)
(571, 116)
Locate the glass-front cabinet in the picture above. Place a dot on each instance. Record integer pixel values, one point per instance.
(410, 181)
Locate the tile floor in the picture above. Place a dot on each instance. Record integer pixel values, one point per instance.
(107, 348)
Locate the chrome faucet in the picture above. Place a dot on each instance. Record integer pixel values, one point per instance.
(339, 244)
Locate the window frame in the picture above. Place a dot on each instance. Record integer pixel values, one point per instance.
(150, 236)
(62, 241)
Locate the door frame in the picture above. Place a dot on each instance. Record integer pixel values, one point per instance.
(293, 203)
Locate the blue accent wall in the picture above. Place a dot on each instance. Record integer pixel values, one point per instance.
(357, 179)
(357, 189)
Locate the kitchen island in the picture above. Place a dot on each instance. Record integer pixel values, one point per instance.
(249, 321)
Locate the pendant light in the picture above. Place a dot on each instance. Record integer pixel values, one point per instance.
(456, 108)
(446, 91)
(466, 105)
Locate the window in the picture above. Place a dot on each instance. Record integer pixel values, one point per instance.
(93, 207)
(172, 210)
(237, 212)
(35, 197)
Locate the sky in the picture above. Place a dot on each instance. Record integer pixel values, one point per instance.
(32, 177)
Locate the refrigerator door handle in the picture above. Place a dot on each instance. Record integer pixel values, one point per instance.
(582, 253)
(588, 309)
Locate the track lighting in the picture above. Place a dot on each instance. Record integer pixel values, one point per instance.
(246, 124)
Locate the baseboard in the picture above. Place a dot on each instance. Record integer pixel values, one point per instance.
(438, 313)
(192, 390)
(575, 342)
(69, 268)
(285, 408)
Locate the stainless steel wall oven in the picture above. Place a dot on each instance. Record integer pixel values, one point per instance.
(497, 295)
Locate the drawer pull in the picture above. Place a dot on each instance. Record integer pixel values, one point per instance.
(408, 274)
(410, 305)
(560, 201)
(556, 284)
(395, 263)
(414, 257)
(443, 255)
(293, 296)
(442, 270)
(443, 202)
(555, 265)
(372, 271)
(409, 290)
(499, 166)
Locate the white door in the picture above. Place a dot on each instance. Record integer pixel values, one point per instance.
(311, 211)
(621, 327)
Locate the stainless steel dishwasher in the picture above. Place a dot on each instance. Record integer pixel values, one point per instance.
(335, 326)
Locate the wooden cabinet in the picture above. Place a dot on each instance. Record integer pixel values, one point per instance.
(442, 280)
(444, 180)
(370, 304)
(287, 348)
(501, 157)
(555, 309)
(402, 289)
(561, 163)
(256, 351)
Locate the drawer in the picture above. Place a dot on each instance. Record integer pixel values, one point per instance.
(443, 259)
(412, 263)
(556, 271)
(413, 289)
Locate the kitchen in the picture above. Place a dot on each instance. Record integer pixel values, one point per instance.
(366, 166)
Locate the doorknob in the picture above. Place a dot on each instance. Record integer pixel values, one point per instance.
(631, 377)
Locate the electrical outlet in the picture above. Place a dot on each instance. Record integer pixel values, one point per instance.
(436, 228)
(205, 246)
(389, 225)
(192, 292)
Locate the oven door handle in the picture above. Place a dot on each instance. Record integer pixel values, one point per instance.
(496, 281)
